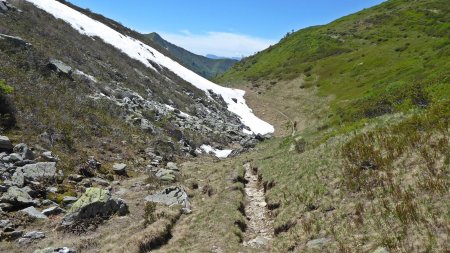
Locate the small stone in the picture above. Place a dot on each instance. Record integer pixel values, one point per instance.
(120, 168)
(5, 223)
(69, 200)
(5, 144)
(54, 210)
(49, 156)
(25, 152)
(171, 196)
(381, 250)
(318, 243)
(14, 157)
(172, 166)
(59, 67)
(31, 236)
(55, 250)
(33, 212)
(75, 177)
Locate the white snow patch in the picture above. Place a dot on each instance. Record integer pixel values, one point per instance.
(81, 73)
(217, 152)
(146, 54)
(181, 113)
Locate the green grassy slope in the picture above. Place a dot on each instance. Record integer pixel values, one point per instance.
(201, 65)
(380, 60)
(375, 166)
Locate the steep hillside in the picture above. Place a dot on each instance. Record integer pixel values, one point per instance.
(361, 108)
(84, 104)
(371, 61)
(201, 65)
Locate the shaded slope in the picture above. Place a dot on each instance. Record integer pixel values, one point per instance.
(201, 65)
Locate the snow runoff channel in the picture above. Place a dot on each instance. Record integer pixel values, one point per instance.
(144, 53)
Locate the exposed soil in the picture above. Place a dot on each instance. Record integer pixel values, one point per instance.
(259, 230)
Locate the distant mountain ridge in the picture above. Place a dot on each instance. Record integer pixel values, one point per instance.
(207, 67)
(213, 56)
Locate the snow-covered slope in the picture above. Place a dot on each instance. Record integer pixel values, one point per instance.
(144, 53)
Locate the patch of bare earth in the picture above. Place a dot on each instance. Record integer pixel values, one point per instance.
(259, 230)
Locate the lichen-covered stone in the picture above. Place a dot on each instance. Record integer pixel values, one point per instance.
(93, 203)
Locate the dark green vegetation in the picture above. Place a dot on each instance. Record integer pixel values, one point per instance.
(7, 108)
(385, 59)
(201, 65)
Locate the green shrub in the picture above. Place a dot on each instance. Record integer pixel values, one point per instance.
(7, 107)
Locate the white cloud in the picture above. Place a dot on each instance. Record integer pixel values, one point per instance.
(218, 43)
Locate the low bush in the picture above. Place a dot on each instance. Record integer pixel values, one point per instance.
(7, 107)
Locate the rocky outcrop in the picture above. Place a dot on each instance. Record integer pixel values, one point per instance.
(6, 6)
(11, 42)
(171, 196)
(5, 143)
(33, 213)
(16, 198)
(95, 202)
(34, 172)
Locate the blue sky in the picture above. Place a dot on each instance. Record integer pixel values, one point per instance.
(224, 27)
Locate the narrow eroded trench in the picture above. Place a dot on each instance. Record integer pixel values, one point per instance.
(259, 232)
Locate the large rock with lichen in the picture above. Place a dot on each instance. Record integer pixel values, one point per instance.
(95, 202)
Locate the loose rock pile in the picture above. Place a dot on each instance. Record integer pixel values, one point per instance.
(29, 184)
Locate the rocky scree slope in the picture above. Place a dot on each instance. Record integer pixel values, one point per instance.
(83, 116)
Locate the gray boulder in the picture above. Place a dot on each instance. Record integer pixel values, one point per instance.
(54, 210)
(16, 42)
(55, 250)
(5, 144)
(31, 236)
(69, 200)
(3, 7)
(318, 243)
(49, 156)
(14, 157)
(59, 67)
(120, 168)
(34, 172)
(249, 142)
(33, 213)
(93, 203)
(25, 152)
(381, 250)
(171, 196)
(17, 198)
(172, 166)
(165, 175)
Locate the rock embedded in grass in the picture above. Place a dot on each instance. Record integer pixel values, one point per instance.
(171, 196)
(120, 168)
(93, 203)
(56, 250)
(33, 213)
